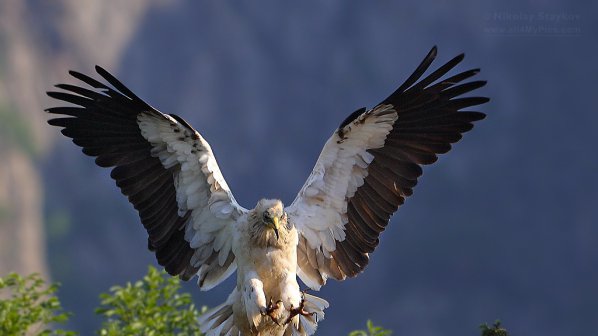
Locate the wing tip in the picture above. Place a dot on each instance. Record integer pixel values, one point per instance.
(62, 86)
(433, 52)
(458, 59)
(74, 73)
(482, 100)
(101, 71)
(58, 122)
(106, 75)
(477, 116)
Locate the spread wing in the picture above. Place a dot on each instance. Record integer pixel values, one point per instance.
(371, 164)
(164, 167)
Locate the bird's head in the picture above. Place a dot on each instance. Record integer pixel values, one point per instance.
(271, 215)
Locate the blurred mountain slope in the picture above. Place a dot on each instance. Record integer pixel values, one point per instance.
(501, 227)
(39, 42)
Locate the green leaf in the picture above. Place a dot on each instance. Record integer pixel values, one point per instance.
(151, 306)
(495, 330)
(29, 306)
(372, 330)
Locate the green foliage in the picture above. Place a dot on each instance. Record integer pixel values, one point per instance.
(28, 306)
(371, 331)
(152, 306)
(495, 330)
(4, 211)
(15, 131)
(58, 224)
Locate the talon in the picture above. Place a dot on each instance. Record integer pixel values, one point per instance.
(271, 309)
(299, 310)
(303, 292)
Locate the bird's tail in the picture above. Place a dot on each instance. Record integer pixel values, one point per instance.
(219, 320)
(302, 325)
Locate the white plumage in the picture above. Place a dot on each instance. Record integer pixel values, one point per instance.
(363, 174)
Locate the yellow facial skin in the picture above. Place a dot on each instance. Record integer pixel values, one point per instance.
(274, 225)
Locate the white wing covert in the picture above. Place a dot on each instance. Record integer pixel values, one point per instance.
(370, 165)
(164, 167)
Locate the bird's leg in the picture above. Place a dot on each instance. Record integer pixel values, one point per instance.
(299, 310)
(271, 309)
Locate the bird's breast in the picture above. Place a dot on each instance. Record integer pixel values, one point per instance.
(274, 264)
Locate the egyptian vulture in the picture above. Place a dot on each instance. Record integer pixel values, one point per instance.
(169, 173)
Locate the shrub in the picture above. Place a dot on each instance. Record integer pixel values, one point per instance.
(371, 331)
(29, 306)
(152, 306)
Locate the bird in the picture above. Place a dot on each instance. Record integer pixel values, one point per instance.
(366, 170)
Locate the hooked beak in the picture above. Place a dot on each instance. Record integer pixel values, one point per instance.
(275, 226)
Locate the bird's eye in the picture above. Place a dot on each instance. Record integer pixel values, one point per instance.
(266, 217)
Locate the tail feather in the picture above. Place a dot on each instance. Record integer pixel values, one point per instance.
(307, 325)
(234, 331)
(228, 325)
(314, 304)
(218, 321)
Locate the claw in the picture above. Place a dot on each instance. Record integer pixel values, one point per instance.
(271, 309)
(299, 310)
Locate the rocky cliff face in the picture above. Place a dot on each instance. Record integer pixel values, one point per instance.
(22, 247)
(39, 42)
(22, 243)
